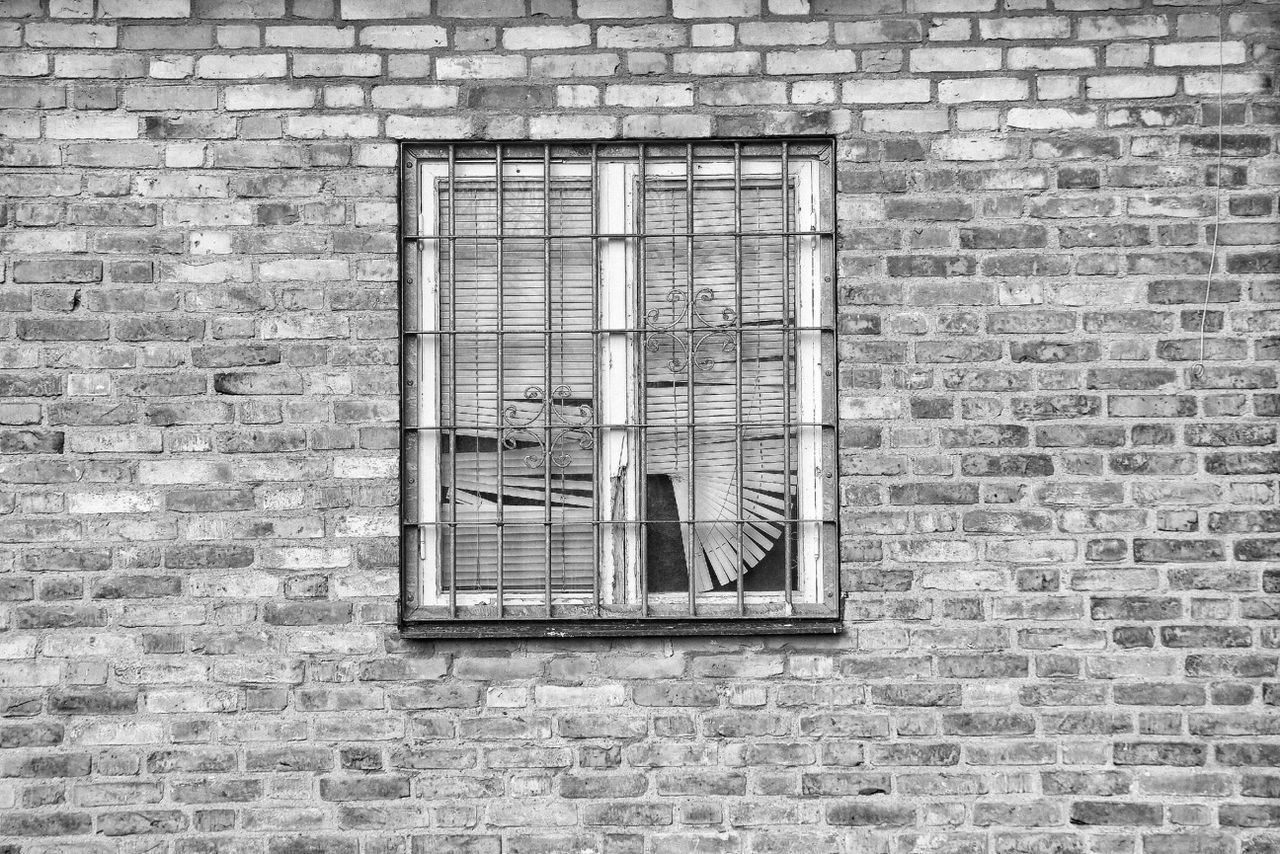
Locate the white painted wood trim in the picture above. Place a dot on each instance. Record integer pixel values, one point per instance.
(618, 399)
(809, 385)
(428, 379)
(618, 471)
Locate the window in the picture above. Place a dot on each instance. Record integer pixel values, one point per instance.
(618, 367)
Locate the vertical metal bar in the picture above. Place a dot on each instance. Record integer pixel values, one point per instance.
(690, 547)
(642, 397)
(421, 370)
(407, 593)
(595, 379)
(787, 527)
(501, 345)
(738, 473)
(452, 338)
(828, 571)
(548, 395)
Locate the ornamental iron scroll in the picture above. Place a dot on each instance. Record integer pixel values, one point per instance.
(706, 330)
(555, 430)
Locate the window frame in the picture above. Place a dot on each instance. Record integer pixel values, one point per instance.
(820, 612)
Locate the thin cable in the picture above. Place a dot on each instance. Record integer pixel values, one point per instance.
(1198, 369)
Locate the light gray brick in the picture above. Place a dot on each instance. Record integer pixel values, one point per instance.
(71, 35)
(145, 8)
(233, 67)
(955, 59)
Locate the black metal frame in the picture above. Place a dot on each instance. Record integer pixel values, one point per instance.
(554, 620)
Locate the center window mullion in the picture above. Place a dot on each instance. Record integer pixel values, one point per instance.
(549, 385)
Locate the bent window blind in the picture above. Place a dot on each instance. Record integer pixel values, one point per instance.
(716, 369)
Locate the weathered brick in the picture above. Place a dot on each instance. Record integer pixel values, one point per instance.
(70, 271)
(1051, 57)
(955, 59)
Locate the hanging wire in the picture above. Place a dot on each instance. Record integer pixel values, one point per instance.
(1198, 369)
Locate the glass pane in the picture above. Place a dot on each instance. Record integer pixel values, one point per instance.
(518, 387)
(719, 370)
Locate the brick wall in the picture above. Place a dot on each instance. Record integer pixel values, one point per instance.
(1061, 541)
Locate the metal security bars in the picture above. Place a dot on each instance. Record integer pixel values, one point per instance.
(618, 388)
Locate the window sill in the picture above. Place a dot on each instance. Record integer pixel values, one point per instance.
(650, 627)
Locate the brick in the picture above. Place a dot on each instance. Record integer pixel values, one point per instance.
(1024, 29)
(310, 36)
(1128, 86)
(336, 65)
(719, 63)
(79, 126)
(167, 37)
(403, 37)
(648, 96)
(229, 67)
(71, 35)
(974, 149)
(877, 32)
(982, 89)
(642, 36)
(1234, 84)
(955, 59)
(880, 815)
(481, 9)
(145, 8)
(1199, 53)
(268, 97)
(715, 9)
(885, 92)
(621, 8)
(737, 94)
(1050, 118)
(811, 61)
(481, 65)
(575, 65)
(1116, 27)
(1051, 57)
(1107, 813)
(779, 33)
(25, 824)
(546, 37)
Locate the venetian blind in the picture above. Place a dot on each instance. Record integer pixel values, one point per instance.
(714, 393)
(720, 329)
(515, 440)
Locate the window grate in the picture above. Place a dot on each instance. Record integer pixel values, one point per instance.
(615, 411)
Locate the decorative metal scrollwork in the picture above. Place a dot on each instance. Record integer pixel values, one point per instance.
(680, 307)
(555, 431)
(707, 331)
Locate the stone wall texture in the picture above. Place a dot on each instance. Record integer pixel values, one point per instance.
(1060, 537)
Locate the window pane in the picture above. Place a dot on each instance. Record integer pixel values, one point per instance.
(518, 386)
(715, 343)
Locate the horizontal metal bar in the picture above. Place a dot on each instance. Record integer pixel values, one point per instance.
(603, 235)
(538, 523)
(651, 149)
(625, 330)
(637, 626)
(628, 425)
